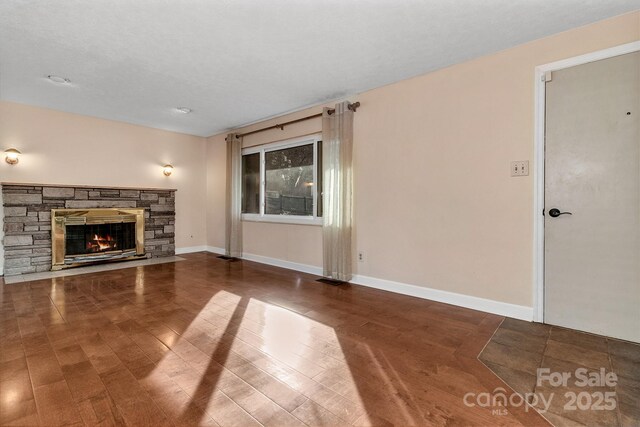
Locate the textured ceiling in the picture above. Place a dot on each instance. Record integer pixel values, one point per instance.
(237, 61)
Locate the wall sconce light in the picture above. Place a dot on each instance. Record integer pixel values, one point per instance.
(12, 156)
(167, 170)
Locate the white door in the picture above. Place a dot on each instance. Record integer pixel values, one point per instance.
(592, 170)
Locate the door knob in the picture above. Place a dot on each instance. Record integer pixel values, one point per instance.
(554, 213)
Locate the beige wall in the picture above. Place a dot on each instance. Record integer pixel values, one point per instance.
(216, 182)
(434, 203)
(63, 148)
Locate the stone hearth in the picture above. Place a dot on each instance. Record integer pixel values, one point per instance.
(27, 219)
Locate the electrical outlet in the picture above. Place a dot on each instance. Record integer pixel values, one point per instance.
(520, 168)
(360, 256)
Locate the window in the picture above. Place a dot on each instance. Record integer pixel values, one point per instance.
(251, 183)
(282, 181)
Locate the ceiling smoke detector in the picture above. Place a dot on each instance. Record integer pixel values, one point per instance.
(183, 110)
(58, 79)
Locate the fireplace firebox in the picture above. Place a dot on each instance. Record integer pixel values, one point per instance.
(82, 236)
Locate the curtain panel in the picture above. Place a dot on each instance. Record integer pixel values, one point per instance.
(337, 147)
(233, 228)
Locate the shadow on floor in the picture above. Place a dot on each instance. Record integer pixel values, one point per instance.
(208, 342)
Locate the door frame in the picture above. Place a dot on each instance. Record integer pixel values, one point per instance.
(541, 73)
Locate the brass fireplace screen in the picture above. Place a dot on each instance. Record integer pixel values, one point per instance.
(82, 236)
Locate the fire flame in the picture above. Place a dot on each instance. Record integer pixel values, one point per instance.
(101, 243)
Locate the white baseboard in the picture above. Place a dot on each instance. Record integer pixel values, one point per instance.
(190, 249)
(215, 250)
(203, 248)
(475, 303)
(305, 268)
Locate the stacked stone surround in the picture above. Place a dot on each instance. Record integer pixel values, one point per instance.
(27, 219)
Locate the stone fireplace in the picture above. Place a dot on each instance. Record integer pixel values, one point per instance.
(30, 230)
(81, 236)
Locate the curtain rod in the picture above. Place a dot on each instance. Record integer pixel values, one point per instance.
(281, 126)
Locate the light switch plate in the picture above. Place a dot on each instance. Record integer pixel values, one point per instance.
(520, 168)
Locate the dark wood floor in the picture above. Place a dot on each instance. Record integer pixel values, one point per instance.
(518, 349)
(210, 342)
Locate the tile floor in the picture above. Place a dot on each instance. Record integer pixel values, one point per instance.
(517, 349)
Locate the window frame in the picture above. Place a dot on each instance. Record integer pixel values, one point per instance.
(281, 145)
